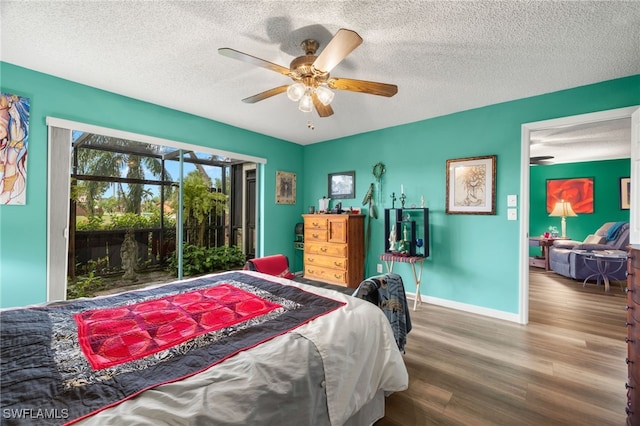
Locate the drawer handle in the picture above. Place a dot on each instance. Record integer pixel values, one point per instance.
(315, 235)
(311, 271)
(323, 249)
(337, 276)
(627, 340)
(316, 224)
(626, 385)
(337, 263)
(628, 361)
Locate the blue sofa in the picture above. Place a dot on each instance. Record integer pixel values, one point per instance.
(564, 260)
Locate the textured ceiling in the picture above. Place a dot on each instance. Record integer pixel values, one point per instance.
(444, 56)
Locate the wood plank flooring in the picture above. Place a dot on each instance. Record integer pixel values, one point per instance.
(566, 367)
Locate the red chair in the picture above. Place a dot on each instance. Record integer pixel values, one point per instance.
(276, 265)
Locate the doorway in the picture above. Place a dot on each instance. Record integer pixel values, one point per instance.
(634, 212)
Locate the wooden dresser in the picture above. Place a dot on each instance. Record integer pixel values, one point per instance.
(633, 336)
(334, 248)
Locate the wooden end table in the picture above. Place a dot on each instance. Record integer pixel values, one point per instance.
(544, 244)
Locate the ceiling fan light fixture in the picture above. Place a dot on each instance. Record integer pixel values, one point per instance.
(296, 91)
(324, 95)
(306, 103)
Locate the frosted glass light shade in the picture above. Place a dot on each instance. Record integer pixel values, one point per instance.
(324, 95)
(306, 103)
(296, 91)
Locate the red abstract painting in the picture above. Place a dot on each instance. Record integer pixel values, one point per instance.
(578, 191)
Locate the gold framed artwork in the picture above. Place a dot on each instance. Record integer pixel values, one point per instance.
(285, 188)
(471, 185)
(625, 193)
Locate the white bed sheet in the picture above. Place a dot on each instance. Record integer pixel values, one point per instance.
(359, 356)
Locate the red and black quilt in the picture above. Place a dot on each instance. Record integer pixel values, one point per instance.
(61, 363)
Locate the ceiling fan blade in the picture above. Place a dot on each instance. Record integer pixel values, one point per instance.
(338, 48)
(266, 94)
(323, 110)
(244, 57)
(362, 86)
(541, 160)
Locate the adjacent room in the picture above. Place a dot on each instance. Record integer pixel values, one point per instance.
(319, 212)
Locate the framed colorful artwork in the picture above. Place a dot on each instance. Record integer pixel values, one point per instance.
(625, 193)
(577, 191)
(14, 140)
(285, 188)
(471, 185)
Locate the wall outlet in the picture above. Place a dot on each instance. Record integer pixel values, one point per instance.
(379, 268)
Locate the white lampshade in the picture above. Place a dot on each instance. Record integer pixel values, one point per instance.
(562, 209)
(296, 91)
(324, 95)
(306, 103)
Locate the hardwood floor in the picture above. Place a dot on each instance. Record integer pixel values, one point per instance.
(566, 367)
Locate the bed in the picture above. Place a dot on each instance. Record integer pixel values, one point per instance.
(236, 348)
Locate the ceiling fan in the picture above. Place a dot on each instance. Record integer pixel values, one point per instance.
(541, 160)
(310, 73)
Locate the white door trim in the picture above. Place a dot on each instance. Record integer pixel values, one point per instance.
(527, 128)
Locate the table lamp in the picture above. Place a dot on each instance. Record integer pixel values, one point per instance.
(563, 209)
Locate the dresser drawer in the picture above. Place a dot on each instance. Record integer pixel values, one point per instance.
(311, 223)
(634, 259)
(337, 250)
(325, 274)
(319, 235)
(326, 261)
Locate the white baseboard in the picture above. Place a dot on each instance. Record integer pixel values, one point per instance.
(487, 312)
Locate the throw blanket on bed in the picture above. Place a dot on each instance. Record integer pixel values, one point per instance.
(63, 362)
(387, 291)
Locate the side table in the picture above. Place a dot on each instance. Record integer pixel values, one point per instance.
(607, 263)
(544, 244)
(390, 258)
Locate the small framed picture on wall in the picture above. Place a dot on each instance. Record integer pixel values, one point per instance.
(625, 193)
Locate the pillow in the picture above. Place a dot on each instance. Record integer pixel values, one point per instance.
(594, 239)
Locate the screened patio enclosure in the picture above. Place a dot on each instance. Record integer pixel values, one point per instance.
(160, 195)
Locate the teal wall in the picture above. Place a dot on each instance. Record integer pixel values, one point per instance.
(474, 259)
(23, 229)
(606, 185)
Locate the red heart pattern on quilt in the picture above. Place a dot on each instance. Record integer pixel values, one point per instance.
(114, 336)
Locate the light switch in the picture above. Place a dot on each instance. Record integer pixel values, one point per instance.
(512, 214)
(512, 201)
